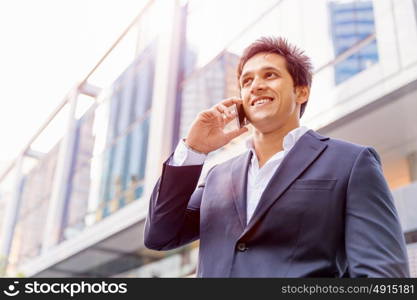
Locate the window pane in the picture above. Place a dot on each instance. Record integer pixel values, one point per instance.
(352, 22)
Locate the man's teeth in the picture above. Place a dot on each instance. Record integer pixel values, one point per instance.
(262, 101)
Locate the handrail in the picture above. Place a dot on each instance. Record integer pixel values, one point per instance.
(77, 87)
(352, 50)
(124, 33)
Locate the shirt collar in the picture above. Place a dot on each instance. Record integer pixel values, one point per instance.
(292, 137)
(289, 140)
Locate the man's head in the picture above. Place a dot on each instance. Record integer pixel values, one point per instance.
(279, 71)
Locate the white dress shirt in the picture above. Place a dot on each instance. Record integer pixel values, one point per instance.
(258, 178)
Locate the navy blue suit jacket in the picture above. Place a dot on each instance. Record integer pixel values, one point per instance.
(326, 212)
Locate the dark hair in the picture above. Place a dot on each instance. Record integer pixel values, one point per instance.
(298, 64)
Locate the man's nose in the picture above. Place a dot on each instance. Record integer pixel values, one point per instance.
(257, 85)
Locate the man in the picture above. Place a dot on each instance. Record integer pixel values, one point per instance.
(296, 204)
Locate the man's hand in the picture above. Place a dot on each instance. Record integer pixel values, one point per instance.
(206, 133)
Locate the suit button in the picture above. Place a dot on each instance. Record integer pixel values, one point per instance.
(242, 247)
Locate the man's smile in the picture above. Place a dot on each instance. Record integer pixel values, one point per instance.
(261, 101)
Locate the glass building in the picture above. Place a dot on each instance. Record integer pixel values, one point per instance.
(352, 22)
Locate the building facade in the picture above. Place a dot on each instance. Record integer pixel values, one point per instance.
(79, 209)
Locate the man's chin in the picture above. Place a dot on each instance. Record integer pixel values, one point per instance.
(263, 124)
(260, 117)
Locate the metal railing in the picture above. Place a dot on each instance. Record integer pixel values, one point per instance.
(82, 87)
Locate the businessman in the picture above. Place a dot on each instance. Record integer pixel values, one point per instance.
(295, 204)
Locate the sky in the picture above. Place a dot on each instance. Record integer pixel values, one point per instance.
(47, 46)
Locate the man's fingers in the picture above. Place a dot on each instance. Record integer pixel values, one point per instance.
(211, 115)
(235, 133)
(230, 101)
(225, 111)
(221, 108)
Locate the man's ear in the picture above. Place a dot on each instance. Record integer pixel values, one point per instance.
(302, 93)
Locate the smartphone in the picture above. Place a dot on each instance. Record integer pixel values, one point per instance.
(240, 120)
(241, 115)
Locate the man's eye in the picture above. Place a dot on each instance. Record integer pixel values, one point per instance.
(246, 81)
(270, 75)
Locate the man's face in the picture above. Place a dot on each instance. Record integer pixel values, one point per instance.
(267, 89)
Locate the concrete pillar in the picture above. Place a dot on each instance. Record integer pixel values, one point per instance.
(53, 226)
(412, 165)
(10, 218)
(164, 92)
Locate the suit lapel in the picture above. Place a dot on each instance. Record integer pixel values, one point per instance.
(300, 157)
(239, 185)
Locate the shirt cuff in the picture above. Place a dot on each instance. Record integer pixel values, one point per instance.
(185, 156)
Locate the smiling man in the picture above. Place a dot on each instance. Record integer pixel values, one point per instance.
(296, 204)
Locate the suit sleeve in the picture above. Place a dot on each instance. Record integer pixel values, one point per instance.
(375, 245)
(174, 210)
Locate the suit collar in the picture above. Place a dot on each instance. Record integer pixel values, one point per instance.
(317, 135)
(239, 183)
(301, 156)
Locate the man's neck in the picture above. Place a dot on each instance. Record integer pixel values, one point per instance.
(269, 143)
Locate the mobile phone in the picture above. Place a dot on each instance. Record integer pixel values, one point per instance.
(239, 121)
(241, 115)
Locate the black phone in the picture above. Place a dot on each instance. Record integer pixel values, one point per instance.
(241, 115)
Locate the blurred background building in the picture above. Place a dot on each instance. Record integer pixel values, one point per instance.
(78, 209)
